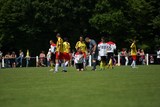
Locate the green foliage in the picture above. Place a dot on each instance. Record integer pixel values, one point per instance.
(32, 23)
(156, 22)
(112, 22)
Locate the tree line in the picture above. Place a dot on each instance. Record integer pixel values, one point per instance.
(30, 24)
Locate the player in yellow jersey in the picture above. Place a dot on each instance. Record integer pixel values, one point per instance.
(81, 44)
(66, 56)
(133, 54)
(59, 51)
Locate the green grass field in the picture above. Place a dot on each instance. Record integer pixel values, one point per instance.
(118, 87)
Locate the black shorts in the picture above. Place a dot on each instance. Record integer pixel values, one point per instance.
(103, 58)
(109, 56)
(79, 66)
(53, 57)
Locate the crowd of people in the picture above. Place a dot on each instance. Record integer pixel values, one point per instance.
(11, 59)
(60, 54)
(126, 58)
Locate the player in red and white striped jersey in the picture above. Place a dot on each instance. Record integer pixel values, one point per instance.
(53, 55)
(79, 59)
(110, 51)
(102, 47)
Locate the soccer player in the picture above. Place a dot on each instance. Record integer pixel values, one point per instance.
(81, 44)
(133, 54)
(53, 55)
(110, 63)
(111, 47)
(59, 51)
(66, 55)
(102, 46)
(93, 48)
(79, 57)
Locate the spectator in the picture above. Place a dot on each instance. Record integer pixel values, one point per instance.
(27, 58)
(151, 59)
(49, 58)
(126, 57)
(42, 58)
(1, 55)
(7, 60)
(158, 56)
(119, 53)
(13, 59)
(20, 58)
(123, 56)
(138, 56)
(142, 57)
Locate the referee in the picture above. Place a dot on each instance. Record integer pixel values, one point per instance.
(93, 48)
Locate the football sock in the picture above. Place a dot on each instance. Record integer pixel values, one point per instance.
(64, 66)
(56, 67)
(134, 63)
(66, 63)
(111, 65)
(101, 65)
(94, 65)
(52, 65)
(104, 64)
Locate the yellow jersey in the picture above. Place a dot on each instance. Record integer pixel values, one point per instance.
(81, 45)
(59, 45)
(66, 47)
(133, 49)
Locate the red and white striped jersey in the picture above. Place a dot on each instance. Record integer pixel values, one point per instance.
(102, 47)
(111, 47)
(53, 48)
(79, 57)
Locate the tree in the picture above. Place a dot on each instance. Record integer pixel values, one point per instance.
(125, 19)
(32, 23)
